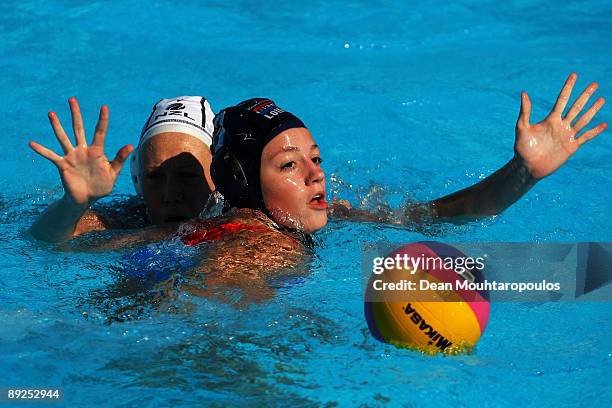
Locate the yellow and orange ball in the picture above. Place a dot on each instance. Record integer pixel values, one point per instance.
(447, 321)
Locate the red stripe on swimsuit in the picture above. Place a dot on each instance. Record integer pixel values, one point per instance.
(205, 232)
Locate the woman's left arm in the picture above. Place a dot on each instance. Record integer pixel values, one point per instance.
(539, 150)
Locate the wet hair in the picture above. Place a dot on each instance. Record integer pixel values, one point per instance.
(241, 133)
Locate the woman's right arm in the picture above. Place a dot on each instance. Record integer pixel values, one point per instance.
(63, 220)
(86, 175)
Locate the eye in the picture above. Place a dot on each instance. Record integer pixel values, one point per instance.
(288, 165)
(317, 160)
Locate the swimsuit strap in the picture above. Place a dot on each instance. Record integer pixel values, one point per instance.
(207, 233)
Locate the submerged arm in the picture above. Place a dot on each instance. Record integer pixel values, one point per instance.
(65, 219)
(118, 239)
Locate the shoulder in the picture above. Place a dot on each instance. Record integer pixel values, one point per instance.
(237, 224)
(252, 243)
(90, 221)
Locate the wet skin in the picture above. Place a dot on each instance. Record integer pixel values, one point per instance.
(292, 181)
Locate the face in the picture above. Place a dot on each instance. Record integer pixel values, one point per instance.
(175, 176)
(292, 181)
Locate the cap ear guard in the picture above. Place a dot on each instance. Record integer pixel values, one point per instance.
(236, 170)
(241, 133)
(230, 179)
(227, 172)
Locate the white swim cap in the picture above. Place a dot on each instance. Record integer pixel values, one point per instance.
(191, 115)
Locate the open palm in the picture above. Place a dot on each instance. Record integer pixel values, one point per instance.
(545, 146)
(85, 171)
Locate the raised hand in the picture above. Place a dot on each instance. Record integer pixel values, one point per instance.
(545, 146)
(86, 173)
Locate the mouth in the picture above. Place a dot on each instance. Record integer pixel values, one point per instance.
(318, 201)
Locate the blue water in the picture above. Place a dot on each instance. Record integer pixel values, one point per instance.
(420, 100)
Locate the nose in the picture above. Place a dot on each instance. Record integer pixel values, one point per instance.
(315, 174)
(172, 194)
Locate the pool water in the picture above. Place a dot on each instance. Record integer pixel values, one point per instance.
(407, 101)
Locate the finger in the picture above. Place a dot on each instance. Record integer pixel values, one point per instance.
(60, 134)
(588, 115)
(101, 127)
(523, 119)
(590, 134)
(44, 152)
(77, 122)
(565, 94)
(581, 102)
(121, 157)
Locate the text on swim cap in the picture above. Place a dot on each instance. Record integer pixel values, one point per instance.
(174, 109)
(267, 109)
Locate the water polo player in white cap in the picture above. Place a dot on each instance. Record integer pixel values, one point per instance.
(170, 170)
